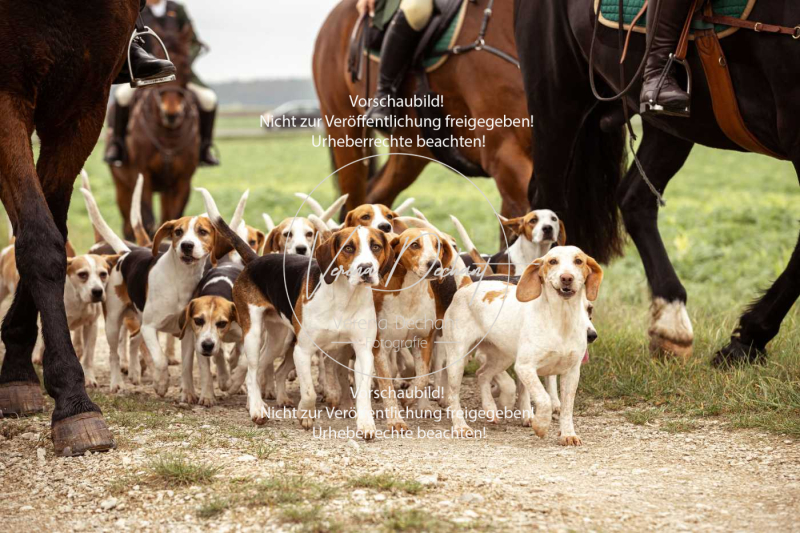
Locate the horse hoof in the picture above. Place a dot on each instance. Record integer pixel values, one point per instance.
(78, 434)
(738, 353)
(663, 348)
(21, 398)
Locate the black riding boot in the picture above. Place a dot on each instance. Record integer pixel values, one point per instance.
(398, 48)
(145, 65)
(116, 154)
(661, 92)
(207, 118)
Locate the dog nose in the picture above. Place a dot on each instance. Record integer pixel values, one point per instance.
(385, 227)
(97, 294)
(433, 266)
(365, 269)
(591, 336)
(300, 250)
(187, 247)
(207, 346)
(567, 279)
(548, 230)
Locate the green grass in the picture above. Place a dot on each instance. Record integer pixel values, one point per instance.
(415, 520)
(179, 470)
(386, 482)
(212, 508)
(730, 226)
(287, 489)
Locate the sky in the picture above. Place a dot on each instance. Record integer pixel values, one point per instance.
(256, 39)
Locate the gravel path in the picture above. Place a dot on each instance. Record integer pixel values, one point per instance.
(625, 477)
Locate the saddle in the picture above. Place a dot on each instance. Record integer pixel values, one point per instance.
(434, 48)
(707, 22)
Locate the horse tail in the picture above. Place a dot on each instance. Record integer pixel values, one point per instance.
(451, 157)
(242, 248)
(596, 169)
(100, 225)
(142, 238)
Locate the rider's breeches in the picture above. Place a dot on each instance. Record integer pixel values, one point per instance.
(206, 98)
(418, 13)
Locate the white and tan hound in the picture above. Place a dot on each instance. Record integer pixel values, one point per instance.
(539, 326)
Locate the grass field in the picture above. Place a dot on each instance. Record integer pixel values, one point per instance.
(730, 226)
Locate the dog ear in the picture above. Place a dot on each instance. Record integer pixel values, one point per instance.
(594, 279)
(446, 253)
(261, 240)
(184, 318)
(163, 232)
(111, 260)
(70, 260)
(214, 240)
(273, 241)
(514, 224)
(388, 254)
(562, 233)
(324, 255)
(350, 220)
(233, 313)
(70, 250)
(530, 284)
(398, 226)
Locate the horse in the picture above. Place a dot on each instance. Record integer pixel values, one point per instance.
(464, 81)
(163, 142)
(58, 60)
(580, 156)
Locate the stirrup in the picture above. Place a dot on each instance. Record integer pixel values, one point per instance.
(142, 82)
(653, 107)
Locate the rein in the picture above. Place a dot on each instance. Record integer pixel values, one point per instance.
(480, 42)
(168, 153)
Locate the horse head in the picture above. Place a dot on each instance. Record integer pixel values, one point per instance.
(173, 98)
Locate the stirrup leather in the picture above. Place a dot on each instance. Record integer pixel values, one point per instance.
(652, 105)
(142, 82)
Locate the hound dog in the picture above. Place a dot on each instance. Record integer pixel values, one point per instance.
(327, 301)
(539, 325)
(154, 286)
(208, 323)
(377, 216)
(409, 311)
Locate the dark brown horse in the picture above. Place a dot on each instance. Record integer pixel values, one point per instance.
(579, 166)
(58, 59)
(476, 84)
(163, 141)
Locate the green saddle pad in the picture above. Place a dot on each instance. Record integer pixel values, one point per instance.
(434, 56)
(610, 10)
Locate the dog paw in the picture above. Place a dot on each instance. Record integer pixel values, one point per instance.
(540, 427)
(285, 402)
(124, 369)
(366, 428)
(161, 383)
(188, 397)
(398, 426)
(173, 362)
(90, 380)
(269, 395)
(570, 440)
(464, 431)
(208, 401)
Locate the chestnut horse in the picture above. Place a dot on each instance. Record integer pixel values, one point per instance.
(477, 84)
(579, 159)
(163, 140)
(58, 59)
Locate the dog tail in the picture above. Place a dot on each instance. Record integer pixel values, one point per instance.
(268, 222)
(332, 210)
(237, 222)
(314, 205)
(242, 248)
(472, 251)
(142, 238)
(404, 206)
(100, 225)
(85, 184)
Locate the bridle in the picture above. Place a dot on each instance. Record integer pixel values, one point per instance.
(189, 115)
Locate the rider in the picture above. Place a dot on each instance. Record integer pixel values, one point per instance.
(171, 16)
(663, 41)
(399, 43)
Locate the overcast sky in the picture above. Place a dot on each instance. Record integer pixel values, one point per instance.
(253, 39)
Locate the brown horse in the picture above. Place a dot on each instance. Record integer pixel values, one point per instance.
(58, 60)
(477, 84)
(163, 141)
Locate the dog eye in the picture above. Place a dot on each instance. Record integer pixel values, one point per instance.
(290, 235)
(349, 249)
(553, 261)
(415, 246)
(222, 324)
(376, 247)
(199, 321)
(286, 234)
(202, 232)
(579, 261)
(103, 275)
(389, 217)
(365, 217)
(252, 243)
(555, 219)
(309, 234)
(178, 232)
(83, 275)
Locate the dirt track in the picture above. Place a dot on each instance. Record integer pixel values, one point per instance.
(625, 477)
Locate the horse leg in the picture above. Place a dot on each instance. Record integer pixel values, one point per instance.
(124, 194)
(662, 156)
(399, 173)
(173, 203)
(512, 169)
(762, 320)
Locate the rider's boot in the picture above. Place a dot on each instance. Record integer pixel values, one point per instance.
(145, 66)
(207, 158)
(116, 154)
(661, 92)
(398, 48)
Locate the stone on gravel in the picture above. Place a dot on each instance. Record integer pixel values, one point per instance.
(40, 455)
(471, 498)
(108, 504)
(428, 480)
(29, 436)
(353, 445)
(246, 458)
